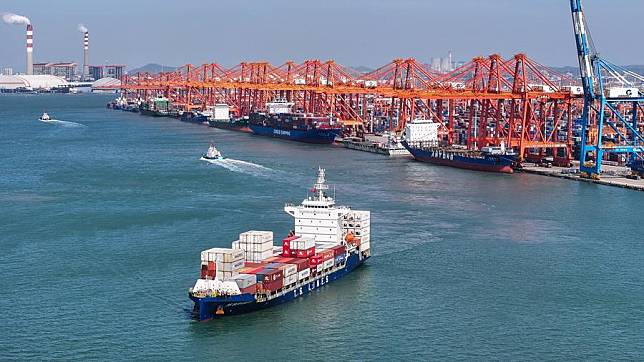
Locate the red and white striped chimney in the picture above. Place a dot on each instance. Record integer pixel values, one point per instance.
(86, 56)
(30, 49)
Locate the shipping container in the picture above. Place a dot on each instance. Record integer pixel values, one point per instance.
(287, 241)
(303, 274)
(339, 249)
(290, 279)
(222, 254)
(273, 285)
(223, 275)
(254, 236)
(329, 263)
(227, 267)
(303, 243)
(269, 275)
(244, 280)
(340, 259)
(300, 263)
(319, 268)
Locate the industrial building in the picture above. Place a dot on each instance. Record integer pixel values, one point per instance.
(31, 82)
(65, 70)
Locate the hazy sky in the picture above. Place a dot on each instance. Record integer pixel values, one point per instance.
(353, 32)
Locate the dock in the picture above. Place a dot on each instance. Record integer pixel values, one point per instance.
(611, 176)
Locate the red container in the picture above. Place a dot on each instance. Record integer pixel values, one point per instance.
(272, 259)
(250, 270)
(273, 286)
(316, 259)
(204, 271)
(211, 265)
(250, 290)
(271, 275)
(310, 251)
(301, 263)
(287, 241)
(328, 254)
(286, 251)
(250, 264)
(288, 260)
(339, 250)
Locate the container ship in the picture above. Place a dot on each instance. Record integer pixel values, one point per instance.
(219, 117)
(420, 138)
(281, 122)
(327, 243)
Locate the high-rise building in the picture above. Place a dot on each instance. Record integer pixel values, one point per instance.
(7, 71)
(106, 71)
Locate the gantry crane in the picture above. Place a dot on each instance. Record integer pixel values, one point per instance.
(607, 108)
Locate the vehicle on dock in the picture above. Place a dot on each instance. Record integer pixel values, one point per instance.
(421, 140)
(280, 122)
(254, 274)
(212, 154)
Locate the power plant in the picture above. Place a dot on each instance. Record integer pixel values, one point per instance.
(85, 32)
(30, 49)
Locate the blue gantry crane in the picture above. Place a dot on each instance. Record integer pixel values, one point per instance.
(611, 100)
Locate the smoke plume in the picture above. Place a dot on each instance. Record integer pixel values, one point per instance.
(82, 28)
(10, 18)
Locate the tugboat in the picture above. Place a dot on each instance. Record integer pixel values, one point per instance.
(212, 154)
(44, 117)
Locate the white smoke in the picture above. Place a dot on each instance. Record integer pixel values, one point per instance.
(82, 28)
(10, 18)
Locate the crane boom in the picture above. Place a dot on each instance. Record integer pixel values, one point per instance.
(583, 49)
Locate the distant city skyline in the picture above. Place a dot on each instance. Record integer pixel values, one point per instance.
(354, 33)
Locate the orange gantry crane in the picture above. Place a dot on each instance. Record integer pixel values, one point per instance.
(485, 102)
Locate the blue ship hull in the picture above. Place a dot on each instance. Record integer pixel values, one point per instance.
(205, 308)
(489, 163)
(322, 136)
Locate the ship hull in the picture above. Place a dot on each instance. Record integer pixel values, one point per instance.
(487, 164)
(205, 308)
(319, 136)
(190, 117)
(231, 126)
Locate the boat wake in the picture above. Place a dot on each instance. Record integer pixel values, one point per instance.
(240, 166)
(62, 123)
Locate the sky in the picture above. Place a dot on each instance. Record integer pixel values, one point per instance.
(352, 32)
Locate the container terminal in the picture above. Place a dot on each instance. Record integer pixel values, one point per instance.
(489, 114)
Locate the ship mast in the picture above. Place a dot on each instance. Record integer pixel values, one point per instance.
(320, 185)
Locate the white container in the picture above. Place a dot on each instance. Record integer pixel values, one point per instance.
(320, 267)
(223, 275)
(290, 269)
(303, 243)
(222, 254)
(244, 280)
(258, 256)
(573, 90)
(254, 236)
(370, 84)
(328, 263)
(232, 266)
(304, 274)
(290, 279)
(299, 81)
(623, 92)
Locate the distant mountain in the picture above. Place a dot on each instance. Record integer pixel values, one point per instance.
(152, 68)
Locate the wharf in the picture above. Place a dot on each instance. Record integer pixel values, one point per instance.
(611, 176)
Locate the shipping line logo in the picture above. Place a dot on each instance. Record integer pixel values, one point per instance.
(281, 132)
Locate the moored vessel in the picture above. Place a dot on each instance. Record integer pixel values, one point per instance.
(327, 243)
(280, 122)
(221, 119)
(421, 140)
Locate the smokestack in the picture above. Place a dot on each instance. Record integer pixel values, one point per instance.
(30, 49)
(85, 32)
(86, 56)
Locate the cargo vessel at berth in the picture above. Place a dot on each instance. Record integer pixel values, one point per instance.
(421, 140)
(327, 243)
(281, 122)
(220, 118)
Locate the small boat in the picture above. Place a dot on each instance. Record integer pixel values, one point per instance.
(212, 154)
(44, 117)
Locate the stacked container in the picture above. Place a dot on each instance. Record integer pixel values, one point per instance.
(358, 224)
(247, 283)
(257, 245)
(223, 262)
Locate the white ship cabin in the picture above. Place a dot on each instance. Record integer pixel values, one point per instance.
(221, 112)
(279, 105)
(318, 216)
(421, 130)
